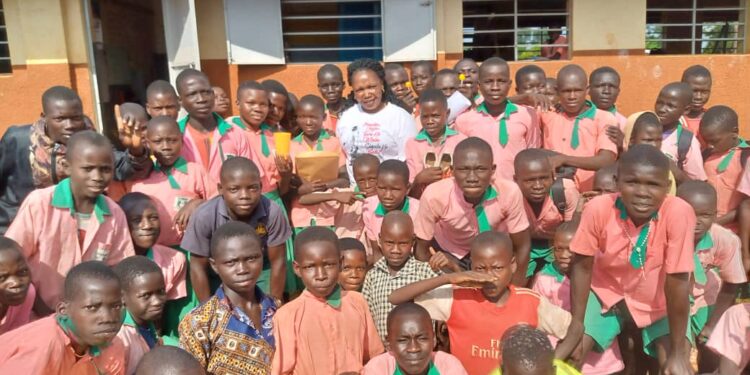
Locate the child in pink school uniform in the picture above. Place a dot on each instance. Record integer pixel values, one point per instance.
(504, 125)
(348, 220)
(671, 104)
(208, 139)
(392, 186)
(17, 294)
(719, 273)
(177, 186)
(553, 283)
(578, 133)
(435, 138)
(143, 291)
(71, 222)
(317, 202)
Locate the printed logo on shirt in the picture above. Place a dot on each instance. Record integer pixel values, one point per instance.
(260, 230)
(101, 254)
(491, 351)
(180, 202)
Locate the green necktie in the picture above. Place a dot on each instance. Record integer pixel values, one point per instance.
(482, 220)
(263, 141)
(724, 164)
(503, 133)
(168, 172)
(638, 253)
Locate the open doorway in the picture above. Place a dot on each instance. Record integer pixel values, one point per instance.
(129, 52)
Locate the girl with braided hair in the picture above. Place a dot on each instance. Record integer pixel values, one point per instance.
(376, 122)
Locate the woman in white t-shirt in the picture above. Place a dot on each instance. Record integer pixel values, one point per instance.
(376, 124)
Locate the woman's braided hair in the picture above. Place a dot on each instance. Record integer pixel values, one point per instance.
(377, 68)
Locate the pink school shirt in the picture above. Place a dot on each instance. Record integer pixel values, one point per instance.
(724, 256)
(19, 315)
(43, 348)
(445, 215)
(693, 124)
(194, 183)
(323, 213)
(174, 267)
(549, 217)
(385, 364)
(604, 235)
(558, 128)
(726, 183)
(134, 345)
(693, 167)
(266, 163)
(373, 213)
(227, 141)
(47, 230)
(523, 132)
(312, 337)
(558, 293)
(731, 336)
(622, 121)
(418, 147)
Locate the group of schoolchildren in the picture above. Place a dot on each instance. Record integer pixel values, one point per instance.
(556, 236)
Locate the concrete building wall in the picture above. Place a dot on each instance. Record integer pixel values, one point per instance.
(47, 47)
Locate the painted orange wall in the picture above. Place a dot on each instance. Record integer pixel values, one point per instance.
(21, 91)
(642, 77)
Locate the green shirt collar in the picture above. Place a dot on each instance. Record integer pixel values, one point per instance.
(551, 269)
(510, 108)
(63, 198)
(180, 164)
(334, 299)
(222, 125)
(380, 210)
(490, 193)
(423, 136)
(237, 121)
(323, 135)
(431, 370)
(590, 113)
(705, 243)
(612, 109)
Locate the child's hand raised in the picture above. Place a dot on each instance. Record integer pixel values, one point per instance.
(439, 261)
(428, 176)
(471, 279)
(129, 132)
(283, 164)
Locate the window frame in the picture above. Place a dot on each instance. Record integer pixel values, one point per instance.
(694, 10)
(6, 43)
(516, 15)
(286, 50)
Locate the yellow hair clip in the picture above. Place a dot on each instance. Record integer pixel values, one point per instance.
(408, 84)
(462, 77)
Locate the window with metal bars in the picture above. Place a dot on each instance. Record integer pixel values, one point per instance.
(331, 30)
(695, 26)
(5, 66)
(515, 29)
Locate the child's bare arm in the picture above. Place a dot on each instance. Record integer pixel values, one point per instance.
(40, 307)
(377, 253)
(580, 285)
(724, 300)
(344, 197)
(522, 251)
(602, 158)
(422, 251)
(199, 277)
(277, 258)
(414, 290)
(677, 290)
(727, 218)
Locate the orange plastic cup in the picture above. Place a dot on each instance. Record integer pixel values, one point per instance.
(282, 140)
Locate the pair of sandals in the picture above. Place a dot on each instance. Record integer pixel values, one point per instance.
(445, 162)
